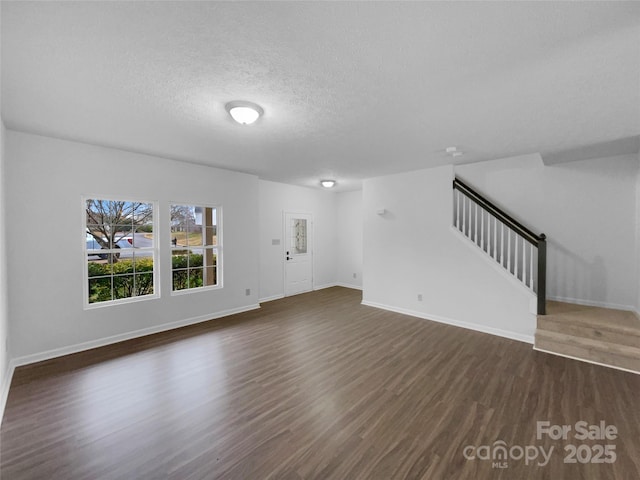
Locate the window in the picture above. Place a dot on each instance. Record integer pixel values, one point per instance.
(195, 247)
(120, 251)
(299, 235)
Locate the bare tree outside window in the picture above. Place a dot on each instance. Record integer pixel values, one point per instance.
(120, 250)
(109, 221)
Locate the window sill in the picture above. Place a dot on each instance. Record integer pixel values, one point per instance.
(121, 301)
(187, 291)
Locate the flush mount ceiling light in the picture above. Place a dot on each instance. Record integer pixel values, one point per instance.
(453, 151)
(245, 113)
(327, 183)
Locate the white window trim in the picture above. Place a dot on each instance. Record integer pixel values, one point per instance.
(217, 247)
(154, 249)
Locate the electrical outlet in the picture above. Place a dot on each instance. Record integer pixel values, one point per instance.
(355, 275)
(247, 292)
(419, 297)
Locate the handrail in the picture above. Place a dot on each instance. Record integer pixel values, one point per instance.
(539, 241)
(498, 212)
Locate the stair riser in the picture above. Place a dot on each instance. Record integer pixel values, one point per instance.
(589, 354)
(605, 335)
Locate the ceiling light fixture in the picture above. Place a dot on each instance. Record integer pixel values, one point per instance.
(245, 113)
(327, 183)
(453, 151)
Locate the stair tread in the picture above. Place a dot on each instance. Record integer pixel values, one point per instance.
(588, 343)
(591, 317)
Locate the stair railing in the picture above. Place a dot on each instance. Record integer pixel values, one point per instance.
(515, 247)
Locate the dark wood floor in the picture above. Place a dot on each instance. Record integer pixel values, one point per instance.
(312, 386)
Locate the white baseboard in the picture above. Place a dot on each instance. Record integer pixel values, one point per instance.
(456, 323)
(80, 347)
(348, 285)
(6, 383)
(591, 303)
(586, 361)
(326, 285)
(271, 298)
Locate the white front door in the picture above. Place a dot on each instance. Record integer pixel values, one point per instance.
(298, 263)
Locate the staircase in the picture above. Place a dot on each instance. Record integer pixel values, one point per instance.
(592, 334)
(520, 251)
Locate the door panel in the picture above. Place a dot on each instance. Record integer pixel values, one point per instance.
(298, 253)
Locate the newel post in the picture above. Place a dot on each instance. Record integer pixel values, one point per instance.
(542, 274)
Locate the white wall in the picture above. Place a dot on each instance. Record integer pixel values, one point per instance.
(4, 318)
(5, 373)
(637, 218)
(349, 227)
(586, 208)
(277, 198)
(45, 180)
(413, 249)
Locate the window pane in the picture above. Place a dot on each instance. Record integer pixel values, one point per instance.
(195, 277)
(179, 259)
(122, 230)
(194, 236)
(122, 266)
(184, 239)
(209, 276)
(210, 237)
(123, 286)
(210, 257)
(195, 258)
(142, 236)
(299, 235)
(97, 267)
(208, 216)
(144, 284)
(140, 213)
(100, 289)
(180, 279)
(142, 262)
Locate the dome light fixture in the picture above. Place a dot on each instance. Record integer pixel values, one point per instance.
(453, 152)
(245, 113)
(327, 183)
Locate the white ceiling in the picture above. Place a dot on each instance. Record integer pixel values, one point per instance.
(349, 90)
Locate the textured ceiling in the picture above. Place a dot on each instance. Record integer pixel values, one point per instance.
(349, 90)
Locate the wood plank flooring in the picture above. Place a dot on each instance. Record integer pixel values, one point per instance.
(315, 386)
(602, 335)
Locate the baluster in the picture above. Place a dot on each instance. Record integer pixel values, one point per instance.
(502, 244)
(482, 229)
(531, 266)
(495, 238)
(457, 209)
(524, 261)
(515, 256)
(509, 249)
(464, 215)
(475, 226)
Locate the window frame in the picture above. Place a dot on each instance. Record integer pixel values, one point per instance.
(217, 248)
(154, 249)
